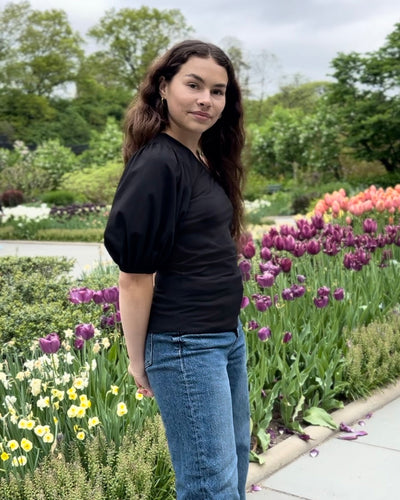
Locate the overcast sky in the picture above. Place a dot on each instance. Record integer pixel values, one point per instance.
(304, 35)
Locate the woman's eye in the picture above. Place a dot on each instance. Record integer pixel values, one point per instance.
(193, 85)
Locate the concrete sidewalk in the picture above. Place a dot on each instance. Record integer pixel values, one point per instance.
(86, 255)
(363, 469)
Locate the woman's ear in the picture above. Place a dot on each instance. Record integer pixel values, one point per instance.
(162, 86)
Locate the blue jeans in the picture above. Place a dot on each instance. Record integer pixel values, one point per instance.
(201, 387)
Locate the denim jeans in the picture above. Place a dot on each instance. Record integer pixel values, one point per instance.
(200, 384)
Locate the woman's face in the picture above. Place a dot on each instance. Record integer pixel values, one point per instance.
(196, 98)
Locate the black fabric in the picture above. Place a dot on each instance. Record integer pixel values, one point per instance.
(170, 216)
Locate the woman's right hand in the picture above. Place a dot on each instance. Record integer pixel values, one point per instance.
(141, 381)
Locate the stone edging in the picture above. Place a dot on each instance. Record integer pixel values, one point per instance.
(293, 447)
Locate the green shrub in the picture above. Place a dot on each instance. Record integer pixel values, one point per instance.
(33, 299)
(255, 185)
(373, 357)
(60, 197)
(85, 235)
(140, 469)
(7, 233)
(96, 184)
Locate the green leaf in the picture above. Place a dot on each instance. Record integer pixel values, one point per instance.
(318, 416)
(255, 457)
(264, 439)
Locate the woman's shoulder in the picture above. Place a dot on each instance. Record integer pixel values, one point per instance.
(163, 152)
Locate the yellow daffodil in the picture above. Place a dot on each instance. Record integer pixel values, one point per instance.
(72, 393)
(30, 424)
(46, 428)
(55, 420)
(19, 461)
(56, 394)
(72, 411)
(139, 396)
(121, 409)
(81, 412)
(4, 456)
(85, 402)
(39, 430)
(13, 444)
(93, 422)
(48, 437)
(56, 405)
(43, 403)
(105, 342)
(81, 435)
(22, 424)
(20, 376)
(80, 383)
(114, 389)
(26, 445)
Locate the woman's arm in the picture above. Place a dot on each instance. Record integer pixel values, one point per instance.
(135, 298)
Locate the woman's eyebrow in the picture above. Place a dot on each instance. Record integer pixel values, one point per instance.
(201, 80)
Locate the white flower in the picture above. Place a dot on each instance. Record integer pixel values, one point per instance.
(30, 364)
(4, 380)
(69, 358)
(36, 386)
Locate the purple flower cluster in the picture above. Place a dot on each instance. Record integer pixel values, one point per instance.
(76, 209)
(108, 298)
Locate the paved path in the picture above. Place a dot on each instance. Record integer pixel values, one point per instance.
(86, 255)
(363, 469)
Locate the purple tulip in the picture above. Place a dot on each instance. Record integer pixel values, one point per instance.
(300, 249)
(264, 333)
(79, 343)
(301, 278)
(290, 243)
(84, 331)
(317, 221)
(279, 243)
(262, 302)
(111, 294)
(287, 294)
(50, 344)
(249, 250)
(245, 268)
(298, 290)
(80, 295)
(267, 241)
(321, 302)
(370, 226)
(245, 302)
(338, 294)
(323, 291)
(265, 280)
(252, 325)
(313, 247)
(98, 297)
(265, 253)
(287, 337)
(285, 264)
(269, 267)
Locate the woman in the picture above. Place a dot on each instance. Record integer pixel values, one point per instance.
(176, 215)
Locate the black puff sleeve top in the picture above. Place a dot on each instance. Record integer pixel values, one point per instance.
(171, 217)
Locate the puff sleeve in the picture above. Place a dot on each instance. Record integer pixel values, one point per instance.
(149, 202)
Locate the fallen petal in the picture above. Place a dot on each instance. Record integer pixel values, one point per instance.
(361, 433)
(255, 487)
(368, 415)
(361, 422)
(304, 437)
(349, 437)
(314, 453)
(345, 428)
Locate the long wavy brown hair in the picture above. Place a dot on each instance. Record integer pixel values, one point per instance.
(222, 144)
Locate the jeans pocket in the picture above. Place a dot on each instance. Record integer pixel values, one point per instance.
(148, 353)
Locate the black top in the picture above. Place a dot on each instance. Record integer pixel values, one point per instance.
(170, 216)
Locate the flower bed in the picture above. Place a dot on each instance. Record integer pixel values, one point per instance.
(308, 288)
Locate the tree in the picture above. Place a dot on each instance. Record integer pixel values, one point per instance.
(234, 50)
(39, 52)
(366, 99)
(132, 39)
